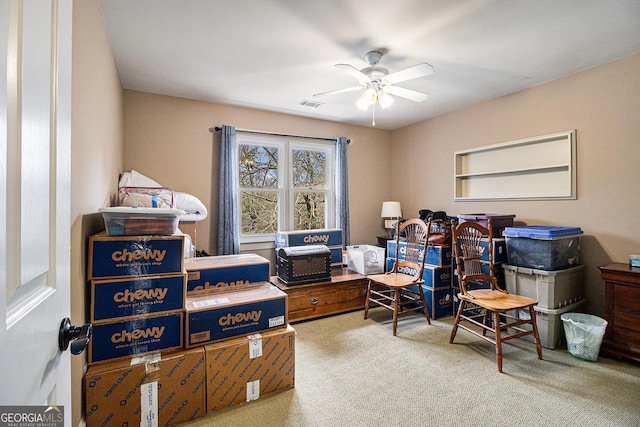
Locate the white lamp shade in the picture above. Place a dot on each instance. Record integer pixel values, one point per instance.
(391, 210)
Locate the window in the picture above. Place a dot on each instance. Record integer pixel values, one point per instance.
(284, 184)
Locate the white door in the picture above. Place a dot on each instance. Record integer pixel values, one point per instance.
(35, 144)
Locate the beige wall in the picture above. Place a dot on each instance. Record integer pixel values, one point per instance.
(601, 104)
(168, 139)
(97, 135)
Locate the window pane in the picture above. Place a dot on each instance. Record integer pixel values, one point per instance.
(258, 166)
(259, 212)
(309, 211)
(309, 169)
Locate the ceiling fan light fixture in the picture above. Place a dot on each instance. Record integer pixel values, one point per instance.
(362, 103)
(371, 95)
(384, 99)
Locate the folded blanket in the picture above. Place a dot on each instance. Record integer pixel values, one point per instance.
(194, 209)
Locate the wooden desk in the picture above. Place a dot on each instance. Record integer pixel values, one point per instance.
(622, 311)
(345, 292)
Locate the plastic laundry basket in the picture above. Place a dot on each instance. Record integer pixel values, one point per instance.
(584, 334)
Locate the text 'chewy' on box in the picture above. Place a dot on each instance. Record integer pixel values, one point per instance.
(122, 256)
(225, 272)
(324, 236)
(120, 299)
(215, 317)
(135, 337)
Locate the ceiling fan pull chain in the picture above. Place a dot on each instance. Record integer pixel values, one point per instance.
(373, 110)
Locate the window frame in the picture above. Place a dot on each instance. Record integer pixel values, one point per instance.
(285, 189)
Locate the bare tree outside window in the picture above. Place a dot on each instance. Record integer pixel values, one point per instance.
(309, 173)
(297, 196)
(258, 169)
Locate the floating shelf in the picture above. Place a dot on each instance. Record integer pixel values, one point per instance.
(543, 167)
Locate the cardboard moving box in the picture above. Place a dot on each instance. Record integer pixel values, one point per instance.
(225, 272)
(120, 299)
(220, 316)
(118, 393)
(136, 336)
(122, 256)
(247, 368)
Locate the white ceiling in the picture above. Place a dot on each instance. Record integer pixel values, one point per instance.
(273, 54)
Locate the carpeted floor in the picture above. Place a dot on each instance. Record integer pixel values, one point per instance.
(352, 372)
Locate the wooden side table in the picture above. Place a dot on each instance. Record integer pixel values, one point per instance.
(622, 311)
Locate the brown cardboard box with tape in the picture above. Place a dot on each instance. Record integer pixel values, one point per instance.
(244, 369)
(170, 387)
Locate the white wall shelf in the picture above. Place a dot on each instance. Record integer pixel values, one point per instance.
(539, 168)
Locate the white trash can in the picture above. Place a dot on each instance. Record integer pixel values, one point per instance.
(584, 334)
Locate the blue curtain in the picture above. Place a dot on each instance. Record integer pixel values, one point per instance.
(228, 227)
(342, 189)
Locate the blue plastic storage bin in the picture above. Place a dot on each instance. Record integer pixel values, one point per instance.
(543, 247)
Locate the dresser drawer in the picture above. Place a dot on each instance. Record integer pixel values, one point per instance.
(626, 299)
(356, 292)
(306, 300)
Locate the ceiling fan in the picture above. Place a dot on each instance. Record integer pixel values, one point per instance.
(378, 83)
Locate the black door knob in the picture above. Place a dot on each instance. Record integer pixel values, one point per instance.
(77, 336)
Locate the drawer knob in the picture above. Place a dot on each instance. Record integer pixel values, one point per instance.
(314, 300)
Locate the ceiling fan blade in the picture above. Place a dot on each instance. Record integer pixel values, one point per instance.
(402, 92)
(333, 92)
(410, 73)
(354, 72)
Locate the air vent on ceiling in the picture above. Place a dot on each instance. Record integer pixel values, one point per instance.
(312, 104)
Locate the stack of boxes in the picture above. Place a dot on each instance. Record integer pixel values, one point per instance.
(543, 263)
(175, 338)
(437, 275)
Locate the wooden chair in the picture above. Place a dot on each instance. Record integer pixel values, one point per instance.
(484, 306)
(400, 290)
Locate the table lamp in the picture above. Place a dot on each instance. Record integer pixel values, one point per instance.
(391, 210)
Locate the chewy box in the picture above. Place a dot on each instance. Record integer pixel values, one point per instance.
(439, 300)
(120, 299)
(498, 221)
(434, 277)
(175, 382)
(216, 317)
(365, 259)
(325, 236)
(131, 221)
(135, 337)
(246, 368)
(122, 256)
(552, 289)
(498, 273)
(225, 272)
(439, 256)
(543, 247)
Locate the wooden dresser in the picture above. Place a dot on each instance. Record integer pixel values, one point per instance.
(345, 292)
(622, 311)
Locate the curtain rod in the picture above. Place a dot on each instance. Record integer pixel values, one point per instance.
(218, 129)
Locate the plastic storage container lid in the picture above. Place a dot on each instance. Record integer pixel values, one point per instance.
(146, 212)
(477, 216)
(543, 232)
